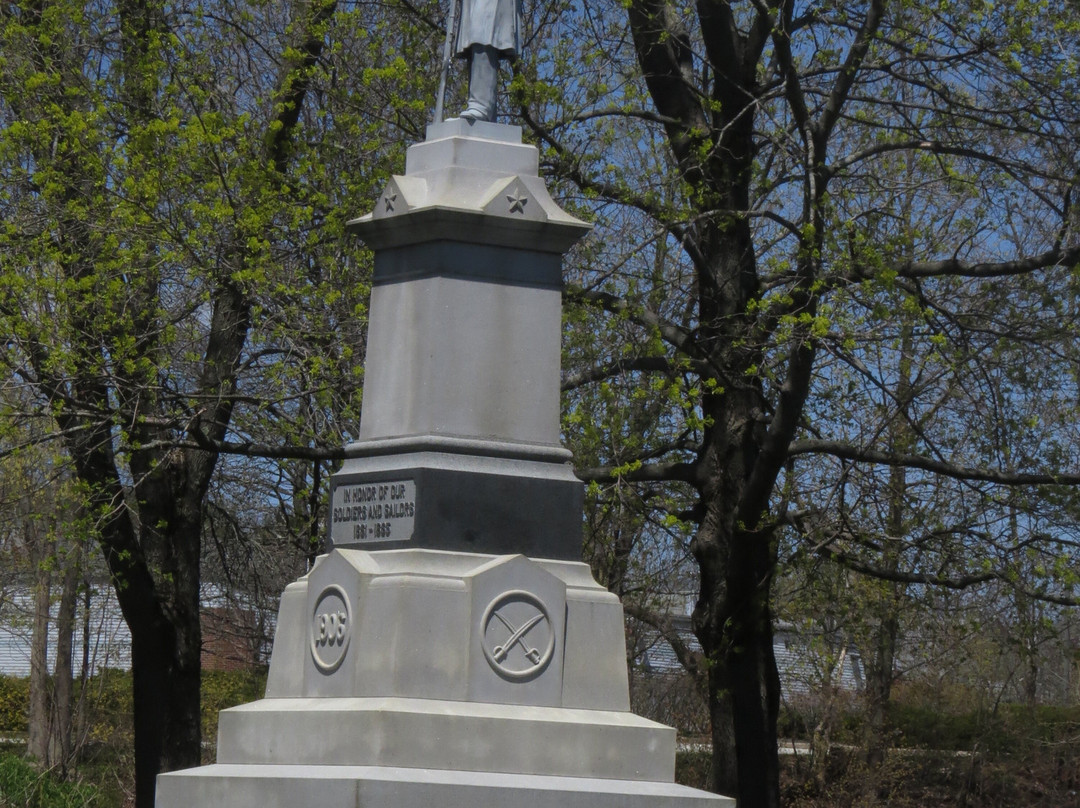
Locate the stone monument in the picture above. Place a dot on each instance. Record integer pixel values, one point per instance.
(451, 649)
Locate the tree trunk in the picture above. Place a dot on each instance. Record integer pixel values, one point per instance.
(81, 721)
(37, 740)
(879, 681)
(166, 698)
(1031, 683)
(744, 687)
(148, 516)
(155, 575)
(736, 555)
(163, 616)
(60, 740)
(880, 671)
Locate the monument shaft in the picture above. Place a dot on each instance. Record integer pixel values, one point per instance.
(461, 386)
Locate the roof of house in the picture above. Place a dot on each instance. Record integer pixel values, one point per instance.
(803, 668)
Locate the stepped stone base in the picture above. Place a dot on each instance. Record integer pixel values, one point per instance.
(266, 786)
(419, 677)
(423, 733)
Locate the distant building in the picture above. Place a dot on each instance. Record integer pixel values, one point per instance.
(101, 637)
(804, 665)
(234, 637)
(231, 637)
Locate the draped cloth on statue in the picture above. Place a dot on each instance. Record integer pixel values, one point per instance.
(493, 23)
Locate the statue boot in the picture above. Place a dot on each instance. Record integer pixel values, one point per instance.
(483, 77)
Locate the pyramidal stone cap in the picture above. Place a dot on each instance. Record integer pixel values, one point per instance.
(475, 182)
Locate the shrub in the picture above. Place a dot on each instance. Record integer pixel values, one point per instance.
(692, 767)
(221, 690)
(23, 787)
(929, 728)
(14, 701)
(110, 713)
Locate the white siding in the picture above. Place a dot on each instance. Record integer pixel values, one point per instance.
(110, 642)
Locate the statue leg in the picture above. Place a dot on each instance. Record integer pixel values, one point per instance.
(483, 79)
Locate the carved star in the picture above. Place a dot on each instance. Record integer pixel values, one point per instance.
(517, 202)
(389, 201)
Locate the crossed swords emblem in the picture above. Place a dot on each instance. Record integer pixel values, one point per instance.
(526, 611)
(517, 637)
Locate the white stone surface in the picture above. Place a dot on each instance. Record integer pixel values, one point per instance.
(460, 357)
(420, 625)
(473, 183)
(421, 677)
(420, 733)
(268, 786)
(464, 335)
(463, 350)
(532, 651)
(489, 148)
(286, 676)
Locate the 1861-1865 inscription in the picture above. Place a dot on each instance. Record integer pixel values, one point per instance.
(373, 511)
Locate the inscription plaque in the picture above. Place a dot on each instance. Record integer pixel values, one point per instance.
(371, 512)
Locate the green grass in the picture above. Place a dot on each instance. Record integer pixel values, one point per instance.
(23, 787)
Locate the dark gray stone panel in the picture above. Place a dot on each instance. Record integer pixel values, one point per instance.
(478, 512)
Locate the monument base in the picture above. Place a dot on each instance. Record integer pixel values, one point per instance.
(420, 677)
(451, 735)
(265, 786)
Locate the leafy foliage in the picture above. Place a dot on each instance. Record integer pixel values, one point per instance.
(176, 281)
(22, 786)
(14, 701)
(839, 244)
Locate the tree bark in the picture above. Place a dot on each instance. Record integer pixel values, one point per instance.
(735, 551)
(61, 739)
(150, 530)
(38, 730)
(880, 673)
(879, 681)
(708, 76)
(80, 727)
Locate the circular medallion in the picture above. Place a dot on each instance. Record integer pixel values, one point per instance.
(517, 635)
(331, 628)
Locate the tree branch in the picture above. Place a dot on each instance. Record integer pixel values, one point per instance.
(689, 659)
(653, 473)
(202, 443)
(673, 334)
(915, 144)
(846, 77)
(653, 364)
(846, 451)
(960, 582)
(665, 54)
(967, 269)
